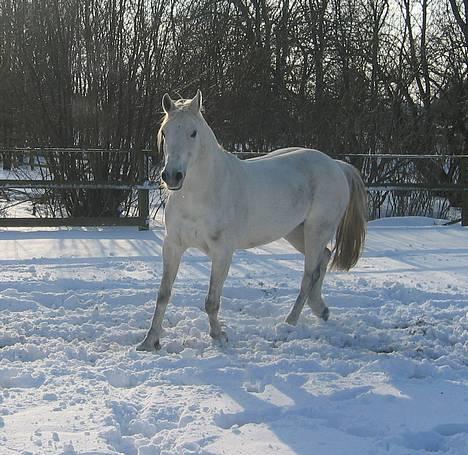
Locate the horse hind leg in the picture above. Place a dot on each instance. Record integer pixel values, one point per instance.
(311, 242)
(315, 299)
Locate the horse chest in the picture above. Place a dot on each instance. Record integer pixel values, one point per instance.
(191, 229)
(193, 233)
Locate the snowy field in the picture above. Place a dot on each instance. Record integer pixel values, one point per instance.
(387, 374)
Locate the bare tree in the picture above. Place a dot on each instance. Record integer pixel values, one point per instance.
(343, 76)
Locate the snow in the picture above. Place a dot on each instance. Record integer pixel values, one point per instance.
(387, 374)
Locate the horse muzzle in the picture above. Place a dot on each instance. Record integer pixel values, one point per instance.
(173, 180)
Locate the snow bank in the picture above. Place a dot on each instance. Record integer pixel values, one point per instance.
(387, 374)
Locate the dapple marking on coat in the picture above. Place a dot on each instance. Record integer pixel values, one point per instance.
(219, 203)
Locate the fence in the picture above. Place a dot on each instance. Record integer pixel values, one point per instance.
(386, 179)
(140, 184)
(415, 167)
(398, 183)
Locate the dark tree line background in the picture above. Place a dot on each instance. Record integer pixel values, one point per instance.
(343, 76)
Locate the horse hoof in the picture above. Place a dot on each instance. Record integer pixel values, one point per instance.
(221, 337)
(291, 320)
(148, 347)
(325, 314)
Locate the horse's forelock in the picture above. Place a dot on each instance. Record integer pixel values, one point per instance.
(182, 105)
(185, 105)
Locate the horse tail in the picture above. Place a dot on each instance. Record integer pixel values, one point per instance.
(351, 231)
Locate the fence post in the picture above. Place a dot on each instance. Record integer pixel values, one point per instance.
(143, 194)
(7, 161)
(464, 182)
(32, 158)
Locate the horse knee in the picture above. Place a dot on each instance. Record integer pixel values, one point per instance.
(163, 296)
(211, 305)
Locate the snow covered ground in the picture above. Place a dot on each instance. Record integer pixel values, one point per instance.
(387, 374)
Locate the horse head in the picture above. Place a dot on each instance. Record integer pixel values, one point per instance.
(180, 137)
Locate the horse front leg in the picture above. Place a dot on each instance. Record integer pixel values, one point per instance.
(172, 254)
(219, 269)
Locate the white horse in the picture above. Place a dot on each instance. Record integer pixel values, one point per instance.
(219, 203)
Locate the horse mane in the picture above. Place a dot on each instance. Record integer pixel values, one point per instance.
(159, 136)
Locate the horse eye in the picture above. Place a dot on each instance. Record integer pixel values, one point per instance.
(194, 133)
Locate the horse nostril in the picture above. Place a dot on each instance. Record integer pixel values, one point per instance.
(179, 176)
(164, 176)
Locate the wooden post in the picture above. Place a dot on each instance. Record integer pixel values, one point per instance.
(143, 194)
(7, 161)
(32, 159)
(464, 182)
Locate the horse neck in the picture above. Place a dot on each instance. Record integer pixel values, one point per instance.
(210, 165)
(210, 147)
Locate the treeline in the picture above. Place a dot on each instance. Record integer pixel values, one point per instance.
(344, 76)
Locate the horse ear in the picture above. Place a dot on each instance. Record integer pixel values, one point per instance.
(196, 103)
(167, 103)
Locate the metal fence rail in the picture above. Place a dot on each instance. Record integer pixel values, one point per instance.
(143, 186)
(459, 187)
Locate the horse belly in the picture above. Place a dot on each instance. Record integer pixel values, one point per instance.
(274, 218)
(282, 191)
